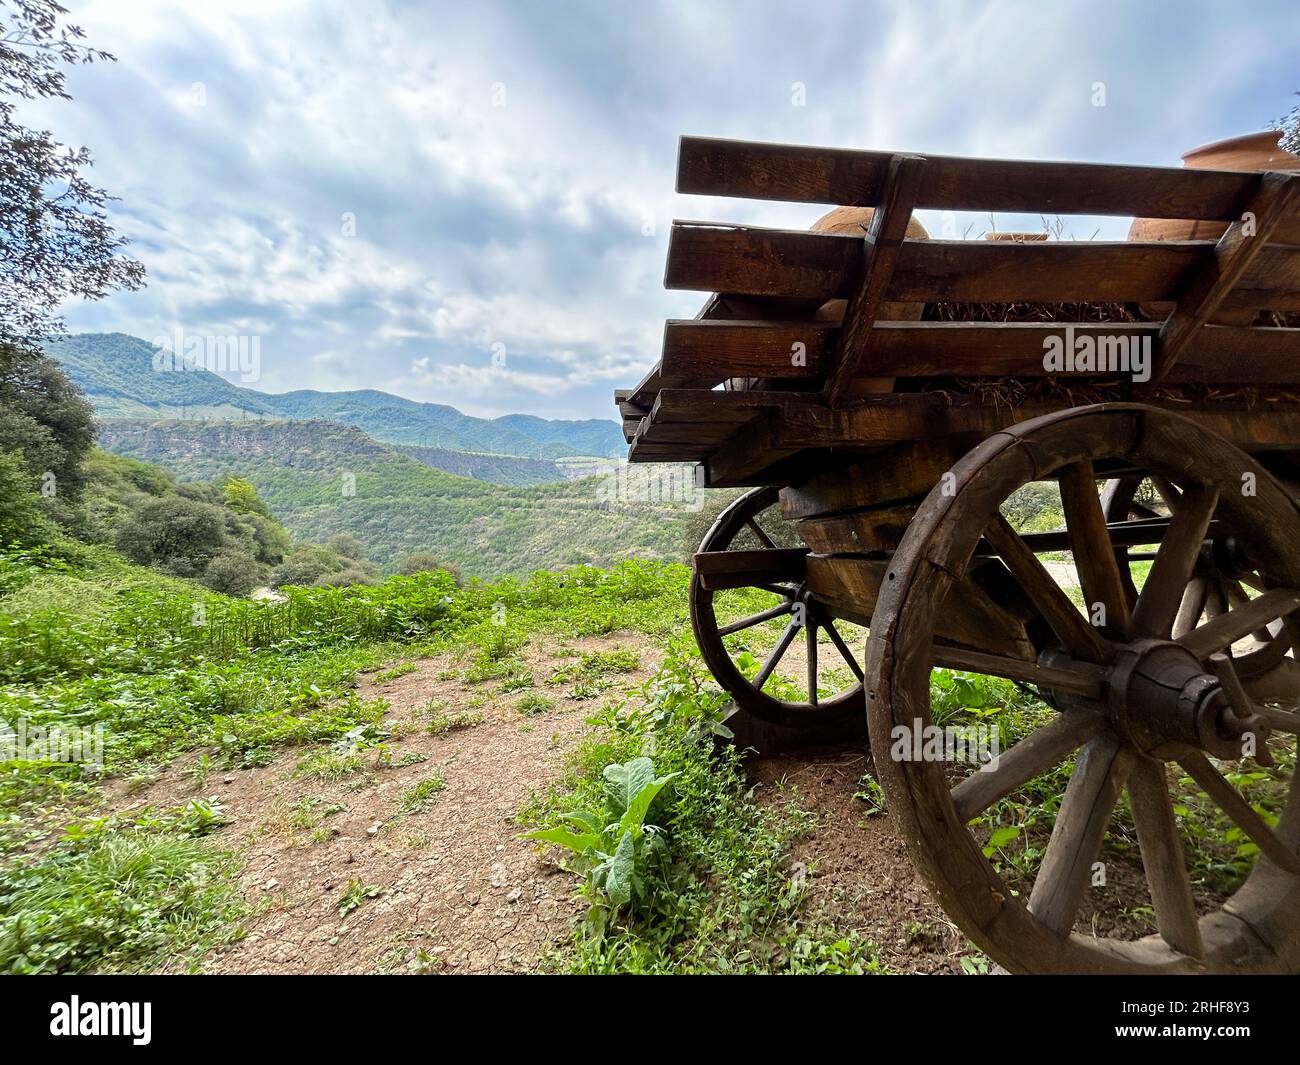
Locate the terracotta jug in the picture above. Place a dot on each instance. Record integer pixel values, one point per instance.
(1254, 151)
(853, 222)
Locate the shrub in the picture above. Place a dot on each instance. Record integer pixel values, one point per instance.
(182, 535)
(233, 572)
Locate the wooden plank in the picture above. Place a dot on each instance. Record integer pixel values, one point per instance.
(752, 449)
(1275, 202)
(719, 570)
(881, 247)
(849, 587)
(903, 472)
(877, 529)
(837, 176)
(917, 416)
(715, 351)
(752, 261)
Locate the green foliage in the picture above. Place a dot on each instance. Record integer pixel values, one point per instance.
(232, 572)
(23, 522)
(114, 900)
(419, 797)
(422, 562)
(1036, 507)
(443, 722)
(620, 855)
(180, 535)
(402, 507)
(45, 420)
(531, 703)
(718, 895)
(355, 894)
(240, 495)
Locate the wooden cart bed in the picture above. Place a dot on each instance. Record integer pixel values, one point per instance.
(727, 393)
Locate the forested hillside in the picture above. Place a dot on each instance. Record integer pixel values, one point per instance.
(120, 376)
(322, 479)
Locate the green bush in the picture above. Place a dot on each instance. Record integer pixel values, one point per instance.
(180, 535)
(233, 572)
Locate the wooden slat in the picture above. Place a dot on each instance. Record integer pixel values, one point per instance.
(821, 266)
(849, 587)
(715, 351)
(719, 570)
(1274, 203)
(903, 417)
(905, 472)
(838, 176)
(880, 252)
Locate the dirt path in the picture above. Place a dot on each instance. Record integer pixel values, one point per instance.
(456, 889)
(447, 885)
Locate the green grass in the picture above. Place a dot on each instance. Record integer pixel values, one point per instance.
(724, 900)
(123, 901)
(87, 639)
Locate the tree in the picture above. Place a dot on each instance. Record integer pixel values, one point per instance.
(242, 496)
(424, 562)
(55, 240)
(234, 572)
(347, 546)
(180, 535)
(45, 418)
(21, 519)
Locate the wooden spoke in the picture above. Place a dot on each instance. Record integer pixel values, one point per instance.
(778, 589)
(843, 648)
(1036, 753)
(1229, 800)
(1080, 639)
(1098, 775)
(1216, 602)
(811, 630)
(1227, 629)
(1280, 720)
(1082, 678)
(1169, 492)
(1162, 856)
(1238, 597)
(1192, 606)
(755, 619)
(777, 653)
(1094, 559)
(763, 538)
(1171, 571)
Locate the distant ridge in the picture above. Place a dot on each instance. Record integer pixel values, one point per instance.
(116, 371)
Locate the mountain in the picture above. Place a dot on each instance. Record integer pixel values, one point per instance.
(321, 478)
(118, 374)
(495, 469)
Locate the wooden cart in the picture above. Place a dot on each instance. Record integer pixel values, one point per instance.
(891, 448)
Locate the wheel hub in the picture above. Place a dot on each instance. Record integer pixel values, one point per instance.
(1159, 698)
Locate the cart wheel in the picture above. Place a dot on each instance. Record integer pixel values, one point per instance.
(1134, 709)
(1220, 579)
(768, 617)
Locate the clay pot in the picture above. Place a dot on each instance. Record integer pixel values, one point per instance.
(1254, 151)
(854, 222)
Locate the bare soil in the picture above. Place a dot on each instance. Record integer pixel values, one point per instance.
(457, 889)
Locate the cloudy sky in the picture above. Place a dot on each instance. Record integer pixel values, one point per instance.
(468, 202)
